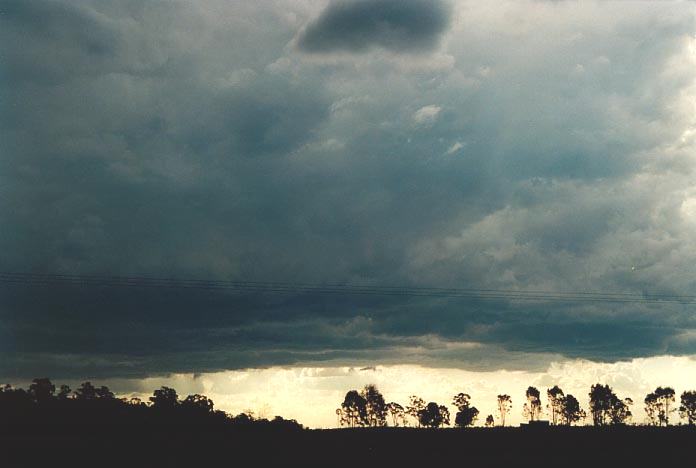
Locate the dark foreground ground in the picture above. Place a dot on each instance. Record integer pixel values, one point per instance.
(509, 447)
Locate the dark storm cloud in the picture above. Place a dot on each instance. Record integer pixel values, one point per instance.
(191, 140)
(136, 332)
(358, 25)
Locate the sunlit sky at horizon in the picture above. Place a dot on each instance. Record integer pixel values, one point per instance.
(311, 394)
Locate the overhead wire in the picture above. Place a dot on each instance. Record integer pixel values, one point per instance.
(276, 287)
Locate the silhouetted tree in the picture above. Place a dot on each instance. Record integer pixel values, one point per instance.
(197, 404)
(687, 409)
(490, 422)
(64, 392)
(104, 393)
(555, 405)
(397, 413)
(97, 408)
(461, 400)
(415, 406)
(135, 401)
(659, 405)
(375, 406)
(86, 391)
(504, 405)
(651, 409)
(14, 402)
(243, 419)
(165, 399)
(434, 415)
(339, 416)
(606, 407)
(532, 409)
(466, 415)
(600, 403)
(570, 411)
(42, 390)
(285, 424)
(444, 415)
(354, 409)
(620, 411)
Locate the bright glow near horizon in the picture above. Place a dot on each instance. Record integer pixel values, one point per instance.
(311, 394)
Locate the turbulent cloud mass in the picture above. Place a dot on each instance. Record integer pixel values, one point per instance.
(525, 146)
(358, 25)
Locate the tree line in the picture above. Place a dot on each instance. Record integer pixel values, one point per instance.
(43, 406)
(368, 408)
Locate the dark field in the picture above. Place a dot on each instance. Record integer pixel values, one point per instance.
(560, 447)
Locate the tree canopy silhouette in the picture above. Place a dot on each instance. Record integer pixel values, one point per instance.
(364, 408)
(606, 408)
(434, 415)
(43, 404)
(659, 405)
(164, 399)
(354, 409)
(375, 406)
(555, 405)
(570, 411)
(42, 390)
(40, 407)
(397, 413)
(415, 406)
(687, 409)
(532, 408)
(466, 413)
(504, 406)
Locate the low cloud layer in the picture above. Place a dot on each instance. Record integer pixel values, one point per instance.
(359, 25)
(542, 146)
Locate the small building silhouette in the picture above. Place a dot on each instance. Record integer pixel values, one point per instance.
(533, 425)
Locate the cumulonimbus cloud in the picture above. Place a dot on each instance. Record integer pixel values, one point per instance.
(140, 147)
(359, 25)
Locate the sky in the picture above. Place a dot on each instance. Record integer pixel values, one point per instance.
(516, 145)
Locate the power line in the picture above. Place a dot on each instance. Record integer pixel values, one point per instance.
(271, 287)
